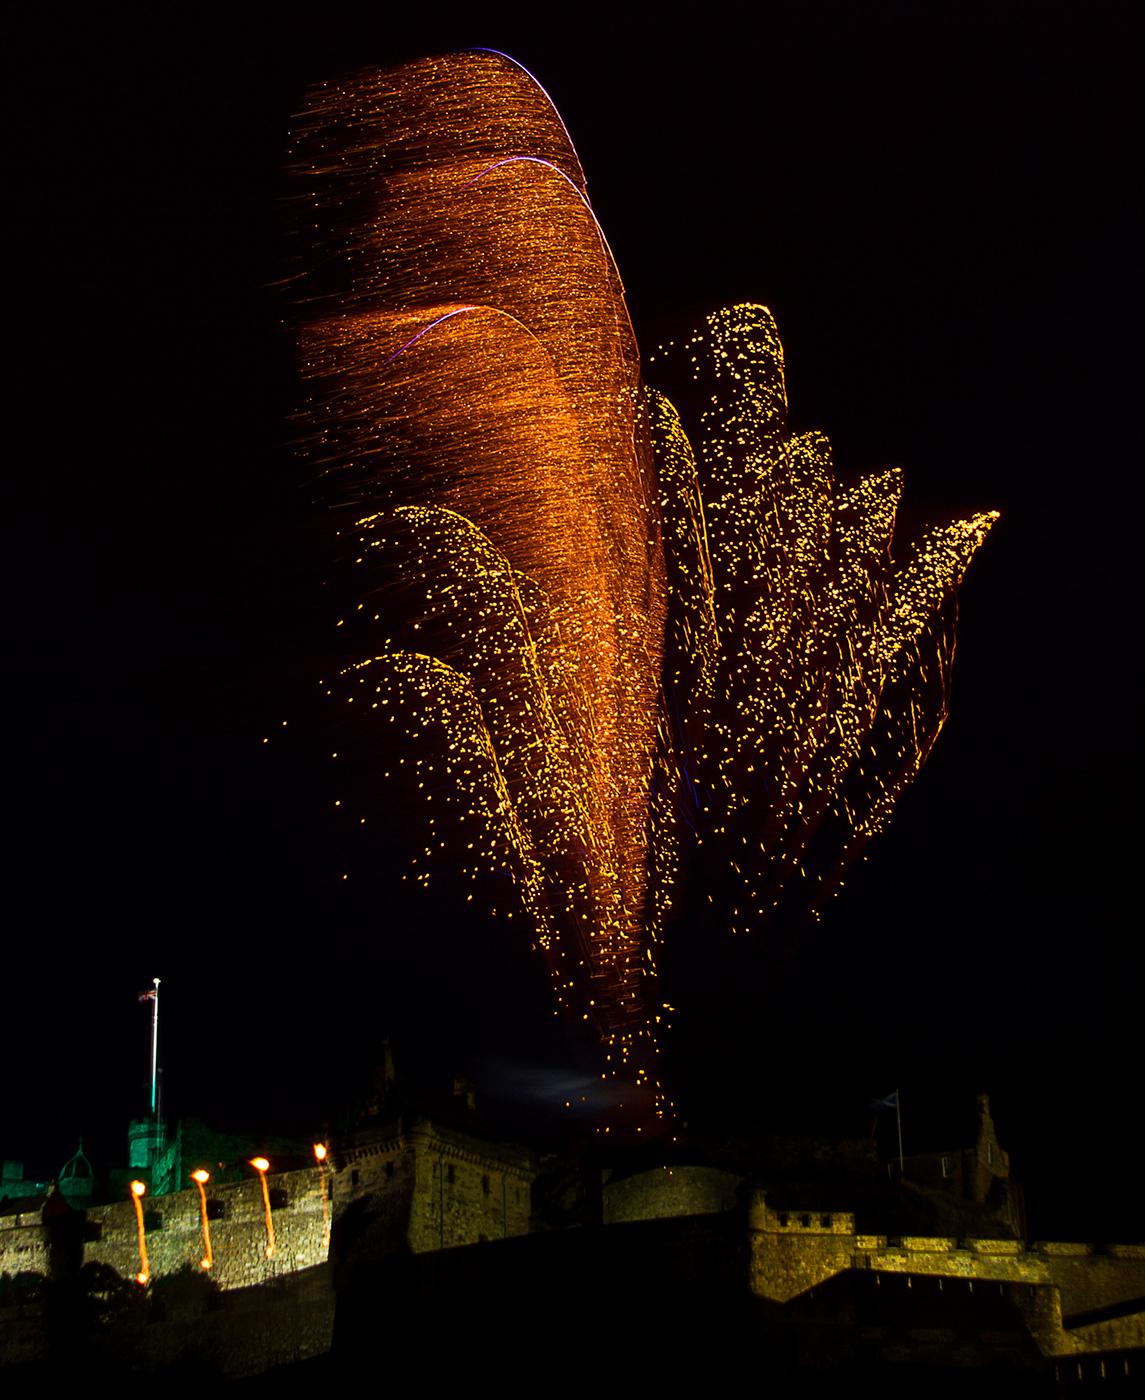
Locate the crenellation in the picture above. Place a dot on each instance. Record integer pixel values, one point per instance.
(404, 1187)
(995, 1246)
(765, 1218)
(424, 1190)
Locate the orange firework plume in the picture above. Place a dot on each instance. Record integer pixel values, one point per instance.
(596, 714)
(474, 391)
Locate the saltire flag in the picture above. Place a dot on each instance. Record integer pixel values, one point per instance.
(891, 1101)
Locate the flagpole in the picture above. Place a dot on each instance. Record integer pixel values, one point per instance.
(154, 1041)
(897, 1115)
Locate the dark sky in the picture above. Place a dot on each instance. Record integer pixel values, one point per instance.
(935, 202)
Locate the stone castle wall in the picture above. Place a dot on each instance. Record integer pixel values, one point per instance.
(423, 1188)
(1076, 1298)
(664, 1192)
(174, 1236)
(441, 1188)
(25, 1246)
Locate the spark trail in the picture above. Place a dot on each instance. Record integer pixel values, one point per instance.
(613, 652)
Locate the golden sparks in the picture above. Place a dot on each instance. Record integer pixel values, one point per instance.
(605, 639)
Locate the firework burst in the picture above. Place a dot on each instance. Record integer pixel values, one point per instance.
(624, 660)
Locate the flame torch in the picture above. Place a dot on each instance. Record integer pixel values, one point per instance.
(262, 1166)
(137, 1190)
(320, 1154)
(200, 1178)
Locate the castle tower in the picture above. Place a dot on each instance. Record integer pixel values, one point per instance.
(77, 1180)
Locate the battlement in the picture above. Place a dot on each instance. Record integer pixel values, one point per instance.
(409, 1191)
(173, 1232)
(762, 1217)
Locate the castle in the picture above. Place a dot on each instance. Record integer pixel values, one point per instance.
(418, 1220)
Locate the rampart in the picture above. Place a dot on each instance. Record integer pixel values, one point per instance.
(424, 1209)
(428, 1186)
(174, 1234)
(268, 1297)
(666, 1191)
(1075, 1298)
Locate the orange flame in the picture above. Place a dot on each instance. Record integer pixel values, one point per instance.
(137, 1190)
(320, 1153)
(261, 1165)
(200, 1179)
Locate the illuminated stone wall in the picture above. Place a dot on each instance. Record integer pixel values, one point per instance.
(423, 1188)
(14, 1184)
(219, 1317)
(23, 1245)
(669, 1191)
(1075, 1299)
(433, 1187)
(792, 1251)
(238, 1234)
(174, 1237)
(807, 1270)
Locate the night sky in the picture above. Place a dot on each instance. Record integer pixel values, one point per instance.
(935, 202)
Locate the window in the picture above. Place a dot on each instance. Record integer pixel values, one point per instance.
(948, 1166)
(825, 1222)
(485, 1185)
(389, 1171)
(452, 1174)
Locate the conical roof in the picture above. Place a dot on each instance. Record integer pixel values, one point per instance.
(77, 1167)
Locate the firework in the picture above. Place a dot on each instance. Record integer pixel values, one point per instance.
(807, 671)
(623, 659)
